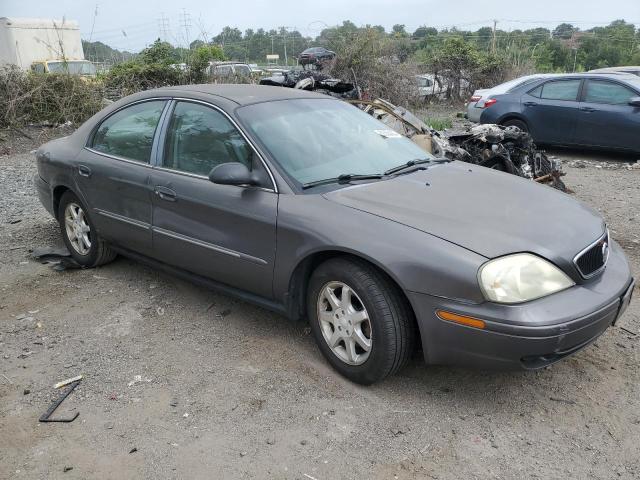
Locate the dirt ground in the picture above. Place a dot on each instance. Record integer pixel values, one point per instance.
(181, 382)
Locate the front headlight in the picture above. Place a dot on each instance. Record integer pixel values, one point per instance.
(520, 278)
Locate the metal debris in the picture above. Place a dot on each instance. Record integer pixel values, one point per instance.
(46, 416)
(508, 149)
(316, 81)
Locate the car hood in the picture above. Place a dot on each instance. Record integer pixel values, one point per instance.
(488, 212)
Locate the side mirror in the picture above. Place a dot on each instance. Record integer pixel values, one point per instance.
(232, 173)
(634, 101)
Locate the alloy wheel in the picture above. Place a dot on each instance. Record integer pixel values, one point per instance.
(77, 228)
(344, 322)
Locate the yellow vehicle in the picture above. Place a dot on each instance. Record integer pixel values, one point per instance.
(73, 67)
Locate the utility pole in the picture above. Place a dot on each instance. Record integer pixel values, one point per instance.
(163, 27)
(493, 38)
(284, 39)
(186, 24)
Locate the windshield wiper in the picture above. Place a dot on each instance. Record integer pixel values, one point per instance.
(344, 178)
(413, 163)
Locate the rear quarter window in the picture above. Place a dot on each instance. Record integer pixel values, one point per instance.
(129, 132)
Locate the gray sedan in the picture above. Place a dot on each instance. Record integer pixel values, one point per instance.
(308, 206)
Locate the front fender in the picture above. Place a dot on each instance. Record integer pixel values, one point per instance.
(416, 261)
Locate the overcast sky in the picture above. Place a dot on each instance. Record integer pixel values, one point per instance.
(132, 24)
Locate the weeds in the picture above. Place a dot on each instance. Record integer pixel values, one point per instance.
(47, 98)
(439, 123)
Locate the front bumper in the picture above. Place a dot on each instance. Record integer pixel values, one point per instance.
(530, 335)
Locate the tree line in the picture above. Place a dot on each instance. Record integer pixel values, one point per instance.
(565, 48)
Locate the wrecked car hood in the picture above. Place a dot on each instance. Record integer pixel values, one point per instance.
(488, 212)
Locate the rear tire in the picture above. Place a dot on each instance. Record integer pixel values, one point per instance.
(389, 329)
(80, 235)
(514, 122)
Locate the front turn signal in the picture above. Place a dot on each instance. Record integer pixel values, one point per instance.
(461, 319)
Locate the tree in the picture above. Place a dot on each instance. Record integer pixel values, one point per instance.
(199, 61)
(564, 31)
(399, 31)
(159, 52)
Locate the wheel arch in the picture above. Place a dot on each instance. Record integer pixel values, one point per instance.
(299, 281)
(58, 192)
(513, 116)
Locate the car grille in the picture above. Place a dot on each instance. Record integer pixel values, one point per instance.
(593, 259)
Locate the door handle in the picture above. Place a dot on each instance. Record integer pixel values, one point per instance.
(84, 171)
(165, 193)
(530, 104)
(588, 109)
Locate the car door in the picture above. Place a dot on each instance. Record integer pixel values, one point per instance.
(223, 232)
(551, 111)
(606, 119)
(113, 174)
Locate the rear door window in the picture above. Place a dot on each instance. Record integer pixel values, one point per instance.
(560, 90)
(599, 91)
(129, 132)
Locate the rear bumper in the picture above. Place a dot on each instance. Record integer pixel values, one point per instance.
(44, 193)
(473, 112)
(527, 336)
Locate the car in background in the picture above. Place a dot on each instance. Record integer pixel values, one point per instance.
(276, 70)
(476, 102)
(315, 55)
(628, 69)
(84, 68)
(429, 86)
(229, 69)
(255, 69)
(594, 110)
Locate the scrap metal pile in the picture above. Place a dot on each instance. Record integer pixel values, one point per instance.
(314, 80)
(508, 149)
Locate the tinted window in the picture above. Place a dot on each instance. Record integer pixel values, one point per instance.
(607, 92)
(561, 90)
(200, 138)
(129, 132)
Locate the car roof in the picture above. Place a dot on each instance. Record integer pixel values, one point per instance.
(241, 94)
(616, 69)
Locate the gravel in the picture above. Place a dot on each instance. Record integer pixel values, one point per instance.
(195, 382)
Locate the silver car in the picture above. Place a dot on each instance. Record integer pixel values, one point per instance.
(308, 206)
(633, 70)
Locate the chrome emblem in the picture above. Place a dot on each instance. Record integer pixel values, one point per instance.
(605, 251)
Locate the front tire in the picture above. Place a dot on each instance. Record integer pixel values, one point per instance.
(361, 322)
(80, 235)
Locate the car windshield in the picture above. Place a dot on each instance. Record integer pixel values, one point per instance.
(318, 139)
(74, 68)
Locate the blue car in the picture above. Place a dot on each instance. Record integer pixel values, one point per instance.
(592, 110)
